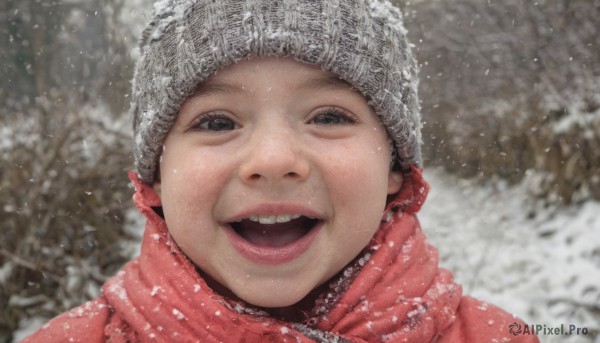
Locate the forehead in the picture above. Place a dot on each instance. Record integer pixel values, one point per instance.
(283, 71)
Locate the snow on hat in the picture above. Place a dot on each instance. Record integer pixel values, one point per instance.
(361, 41)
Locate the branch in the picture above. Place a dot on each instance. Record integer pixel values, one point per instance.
(589, 306)
(27, 264)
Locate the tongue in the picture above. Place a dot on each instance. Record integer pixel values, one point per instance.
(274, 235)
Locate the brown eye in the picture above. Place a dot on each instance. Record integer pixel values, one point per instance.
(215, 122)
(333, 116)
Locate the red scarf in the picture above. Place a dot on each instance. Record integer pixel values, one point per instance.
(393, 292)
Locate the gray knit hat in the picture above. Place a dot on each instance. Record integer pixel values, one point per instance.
(361, 41)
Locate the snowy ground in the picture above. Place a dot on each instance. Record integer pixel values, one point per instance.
(541, 264)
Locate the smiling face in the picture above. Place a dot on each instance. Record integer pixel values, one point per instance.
(274, 177)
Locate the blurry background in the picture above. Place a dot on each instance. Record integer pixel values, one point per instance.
(511, 100)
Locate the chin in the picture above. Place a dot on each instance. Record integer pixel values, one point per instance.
(287, 301)
(273, 299)
(266, 292)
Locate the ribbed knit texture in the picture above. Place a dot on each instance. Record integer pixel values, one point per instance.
(361, 41)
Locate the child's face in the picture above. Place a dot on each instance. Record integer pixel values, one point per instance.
(272, 139)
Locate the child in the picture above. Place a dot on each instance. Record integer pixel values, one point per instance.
(277, 148)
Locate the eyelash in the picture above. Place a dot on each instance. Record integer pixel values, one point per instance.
(207, 118)
(336, 113)
(347, 117)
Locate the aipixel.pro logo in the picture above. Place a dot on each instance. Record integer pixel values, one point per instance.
(539, 329)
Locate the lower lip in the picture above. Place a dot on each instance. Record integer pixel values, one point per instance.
(272, 255)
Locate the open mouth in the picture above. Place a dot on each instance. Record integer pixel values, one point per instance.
(274, 230)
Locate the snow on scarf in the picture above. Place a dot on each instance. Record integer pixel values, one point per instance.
(393, 291)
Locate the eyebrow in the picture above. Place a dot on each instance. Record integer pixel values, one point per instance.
(211, 87)
(327, 81)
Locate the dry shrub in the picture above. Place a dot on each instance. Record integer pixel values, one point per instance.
(510, 89)
(565, 145)
(482, 145)
(557, 149)
(64, 198)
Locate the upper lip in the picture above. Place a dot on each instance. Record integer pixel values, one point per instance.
(268, 209)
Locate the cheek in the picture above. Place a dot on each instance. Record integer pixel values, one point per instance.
(186, 164)
(189, 185)
(358, 191)
(363, 168)
(358, 180)
(362, 188)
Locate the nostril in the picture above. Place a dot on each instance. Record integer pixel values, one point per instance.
(292, 175)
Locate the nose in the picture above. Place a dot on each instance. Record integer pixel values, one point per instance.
(273, 155)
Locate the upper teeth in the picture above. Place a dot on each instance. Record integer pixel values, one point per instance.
(272, 219)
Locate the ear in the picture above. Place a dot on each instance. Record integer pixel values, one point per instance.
(395, 181)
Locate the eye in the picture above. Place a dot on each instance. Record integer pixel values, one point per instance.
(333, 116)
(214, 122)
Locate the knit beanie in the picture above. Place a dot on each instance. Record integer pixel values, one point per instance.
(363, 42)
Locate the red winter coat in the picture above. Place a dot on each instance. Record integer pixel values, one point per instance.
(393, 292)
